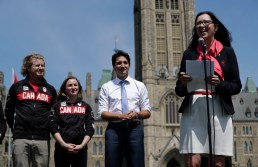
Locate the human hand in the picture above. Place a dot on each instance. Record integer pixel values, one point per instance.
(69, 147)
(213, 80)
(125, 116)
(184, 78)
(77, 148)
(133, 114)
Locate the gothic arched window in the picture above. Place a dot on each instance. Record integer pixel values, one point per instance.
(97, 130)
(243, 130)
(174, 5)
(100, 148)
(6, 147)
(97, 164)
(250, 147)
(101, 130)
(94, 149)
(245, 148)
(235, 151)
(235, 130)
(171, 108)
(249, 163)
(246, 130)
(159, 4)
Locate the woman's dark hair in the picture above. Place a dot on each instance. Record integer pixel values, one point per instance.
(62, 94)
(222, 34)
(118, 54)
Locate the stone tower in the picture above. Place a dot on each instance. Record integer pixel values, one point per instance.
(162, 32)
(2, 88)
(88, 85)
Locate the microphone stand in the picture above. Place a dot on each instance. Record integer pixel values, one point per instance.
(208, 108)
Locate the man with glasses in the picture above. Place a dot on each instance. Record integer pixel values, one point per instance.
(27, 109)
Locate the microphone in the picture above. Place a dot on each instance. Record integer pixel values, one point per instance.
(201, 42)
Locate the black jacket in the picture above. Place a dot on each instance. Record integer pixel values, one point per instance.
(230, 86)
(27, 111)
(72, 121)
(2, 123)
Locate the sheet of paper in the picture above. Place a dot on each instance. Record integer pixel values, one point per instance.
(195, 69)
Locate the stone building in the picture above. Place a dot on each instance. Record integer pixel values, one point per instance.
(162, 32)
(245, 122)
(5, 145)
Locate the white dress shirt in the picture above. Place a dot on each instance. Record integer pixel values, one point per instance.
(110, 96)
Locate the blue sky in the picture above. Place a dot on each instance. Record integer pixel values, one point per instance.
(79, 36)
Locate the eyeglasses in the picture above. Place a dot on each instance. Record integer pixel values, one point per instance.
(203, 22)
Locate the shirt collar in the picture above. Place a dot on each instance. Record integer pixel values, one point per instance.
(117, 80)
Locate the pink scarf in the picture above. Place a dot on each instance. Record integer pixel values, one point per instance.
(214, 50)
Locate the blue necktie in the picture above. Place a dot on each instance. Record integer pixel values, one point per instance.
(124, 100)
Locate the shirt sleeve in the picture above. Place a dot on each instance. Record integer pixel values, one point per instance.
(10, 106)
(144, 100)
(89, 122)
(102, 101)
(53, 120)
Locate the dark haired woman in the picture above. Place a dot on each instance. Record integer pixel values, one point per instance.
(71, 123)
(225, 82)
